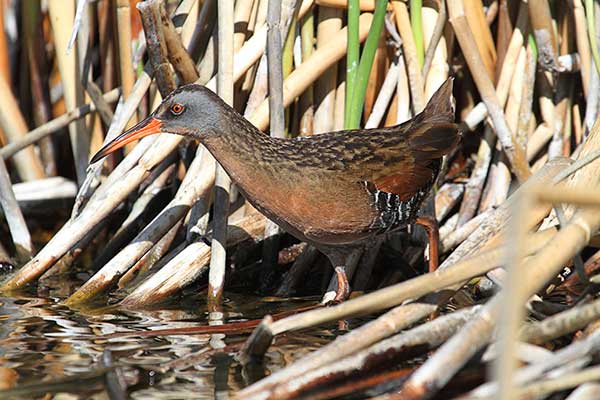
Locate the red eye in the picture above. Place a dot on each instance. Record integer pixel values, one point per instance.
(177, 109)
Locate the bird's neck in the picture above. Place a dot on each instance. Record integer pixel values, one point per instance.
(245, 153)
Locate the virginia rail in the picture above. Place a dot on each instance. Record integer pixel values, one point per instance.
(335, 190)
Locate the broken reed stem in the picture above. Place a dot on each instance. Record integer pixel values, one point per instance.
(178, 56)
(216, 276)
(157, 46)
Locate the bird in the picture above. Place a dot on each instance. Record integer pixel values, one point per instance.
(336, 190)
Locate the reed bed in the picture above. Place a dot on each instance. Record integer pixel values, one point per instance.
(512, 310)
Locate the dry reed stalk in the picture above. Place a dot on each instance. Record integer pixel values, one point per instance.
(153, 256)
(513, 297)
(415, 79)
(376, 75)
(189, 264)
(479, 174)
(402, 93)
(311, 69)
(178, 56)
(242, 13)
(498, 183)
(27, 163)
(251, 51)
(4, 57)
(446, 199)
(225, 80)
(561, 108)
(156, 181)
(433, 40)
(197, 183)
(340, 95)
(579, 350)
(489, 231)
(126, 72)
(386, 92)
(358, 339)
(438, 69)
(275, 71)
(16, 223)
(38, 72)
(462, 232)
(62, 15)
(585, 391)
(483, 36)
(257, 19)
(329, 22)
(545, 37)
(538, 139)
(583, 45)
(306, 103)
(514, 152)
(505, 72)
(157, 46)
(513, 103)
(525, 121)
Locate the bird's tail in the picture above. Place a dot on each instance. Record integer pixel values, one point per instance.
(440, 107)
(435, 134)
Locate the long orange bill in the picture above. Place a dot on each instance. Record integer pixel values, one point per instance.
(149, 126)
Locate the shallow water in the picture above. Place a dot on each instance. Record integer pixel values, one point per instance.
(45, 346)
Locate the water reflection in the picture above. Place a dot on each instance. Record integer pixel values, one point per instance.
(42, 341)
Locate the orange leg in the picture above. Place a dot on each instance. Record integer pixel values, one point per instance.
(342, 291)
(431, 227)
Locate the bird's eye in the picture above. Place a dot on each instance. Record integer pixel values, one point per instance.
(177, 109)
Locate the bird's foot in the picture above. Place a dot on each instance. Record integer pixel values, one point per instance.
(342, 291)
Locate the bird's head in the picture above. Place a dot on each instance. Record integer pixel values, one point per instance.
(191, 110)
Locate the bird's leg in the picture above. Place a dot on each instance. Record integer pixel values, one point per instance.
(430, 225)
(344, 262)
(342, 291)
(342, 287)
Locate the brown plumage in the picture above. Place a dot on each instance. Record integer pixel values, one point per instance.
(335, 190)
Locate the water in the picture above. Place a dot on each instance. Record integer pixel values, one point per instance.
(45, 346)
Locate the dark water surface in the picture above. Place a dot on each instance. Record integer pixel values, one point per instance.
(47, 347)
